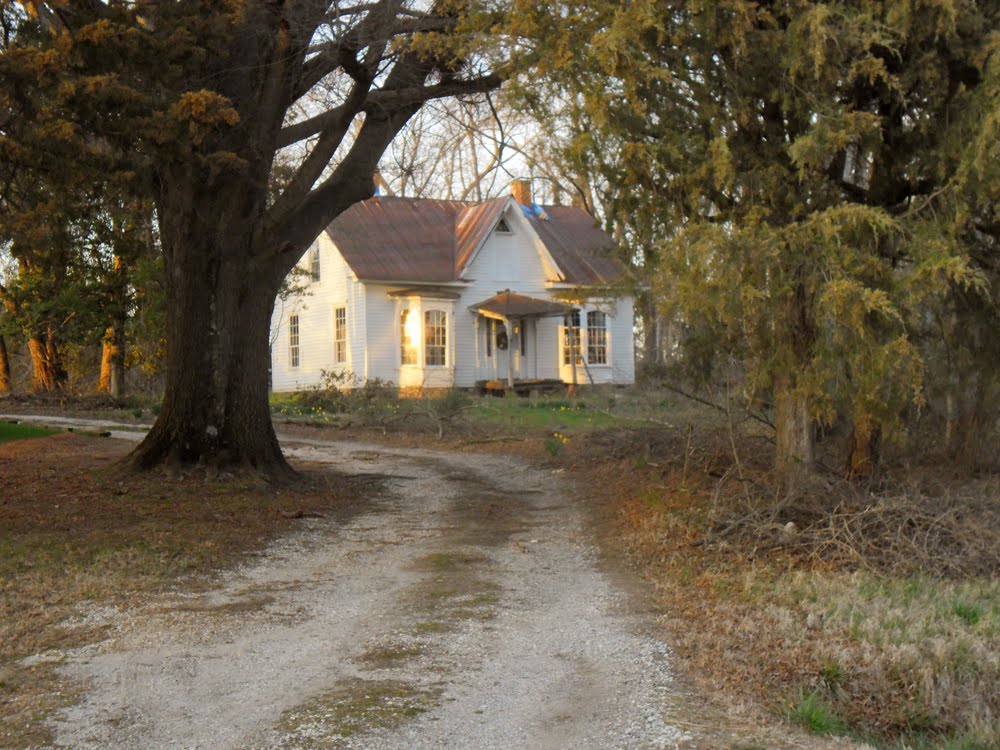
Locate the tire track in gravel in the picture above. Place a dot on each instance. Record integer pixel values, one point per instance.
(465, 609)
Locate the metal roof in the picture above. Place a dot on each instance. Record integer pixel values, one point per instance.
(508, 304)
(430, 241)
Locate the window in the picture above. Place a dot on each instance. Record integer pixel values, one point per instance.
(435, 338)
(571, 337)
(597, 338)
(409, 332)
(314, 261)
(489, 337)
(340, 335)
(522, 336)
(293, 340)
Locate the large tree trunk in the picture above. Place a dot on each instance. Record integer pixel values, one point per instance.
(795, 435)
(4, 367)
(215, 409)
(47, 373)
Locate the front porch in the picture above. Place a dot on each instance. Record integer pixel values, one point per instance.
(522, 388)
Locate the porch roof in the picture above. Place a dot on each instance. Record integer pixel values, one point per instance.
(508, 304)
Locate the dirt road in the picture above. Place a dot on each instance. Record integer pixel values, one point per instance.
(464, 609)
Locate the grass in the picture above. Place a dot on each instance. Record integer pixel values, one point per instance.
(10, 432)
(353, 708)
(815, 714)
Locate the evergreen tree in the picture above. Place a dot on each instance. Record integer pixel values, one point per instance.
(784, 155)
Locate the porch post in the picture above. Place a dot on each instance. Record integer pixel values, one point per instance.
(510, 353)
(572, 351)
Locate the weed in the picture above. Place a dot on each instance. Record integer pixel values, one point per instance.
(968, 612)
(832, 674)
(813, 713)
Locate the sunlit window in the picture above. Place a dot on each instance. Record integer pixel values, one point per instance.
(597, 338)
(571, 337)
(340, 335)
(409, 330)
(293, 340)
(314, 261)
(435, 338)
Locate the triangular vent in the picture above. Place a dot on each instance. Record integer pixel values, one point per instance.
(502, 227)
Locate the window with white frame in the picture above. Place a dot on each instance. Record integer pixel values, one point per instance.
(597, 338)
(409, 336)
(490, 325)
(571, 337)
(293, 340)
(435, 338)
(340, 335)
(314, 261)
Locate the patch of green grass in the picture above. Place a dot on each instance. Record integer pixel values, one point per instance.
(446, 561)
(816, 715)
(384, 657)
(353, 708)
(10, 432)
(968, 612)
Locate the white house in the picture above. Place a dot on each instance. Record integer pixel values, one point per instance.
(436, 294)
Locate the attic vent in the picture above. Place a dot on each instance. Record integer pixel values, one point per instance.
(502, 227)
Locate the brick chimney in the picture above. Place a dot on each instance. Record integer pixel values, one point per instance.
(521, 190)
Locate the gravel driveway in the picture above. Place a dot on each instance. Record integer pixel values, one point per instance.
(464, 609)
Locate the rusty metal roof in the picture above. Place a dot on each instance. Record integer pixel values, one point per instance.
(510, 304)
(581, 249)
(430, 241)
(473, 224)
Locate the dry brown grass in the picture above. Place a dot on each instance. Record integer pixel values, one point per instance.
(879, 604)
(75, 535)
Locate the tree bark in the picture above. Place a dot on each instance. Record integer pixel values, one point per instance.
(5, 385)
(104, 381)
(865, 447)
(215, 409)
(112, 380)
(795, 435)
(47, 373)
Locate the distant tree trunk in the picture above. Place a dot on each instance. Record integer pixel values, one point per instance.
(972, 424)
(795, 454)
(864, 450)
(104, 382)
(112, 379)
(47, 373)
(4, 367)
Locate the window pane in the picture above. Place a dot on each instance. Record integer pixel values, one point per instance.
(571, 337)
(597, 338)
(435, 338)
(293, 340)
(340, 335)
(409, 330)
(314, 261)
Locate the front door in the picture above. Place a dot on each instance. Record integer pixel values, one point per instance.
(501, 342)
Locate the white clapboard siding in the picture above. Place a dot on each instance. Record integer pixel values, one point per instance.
(315, 307)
